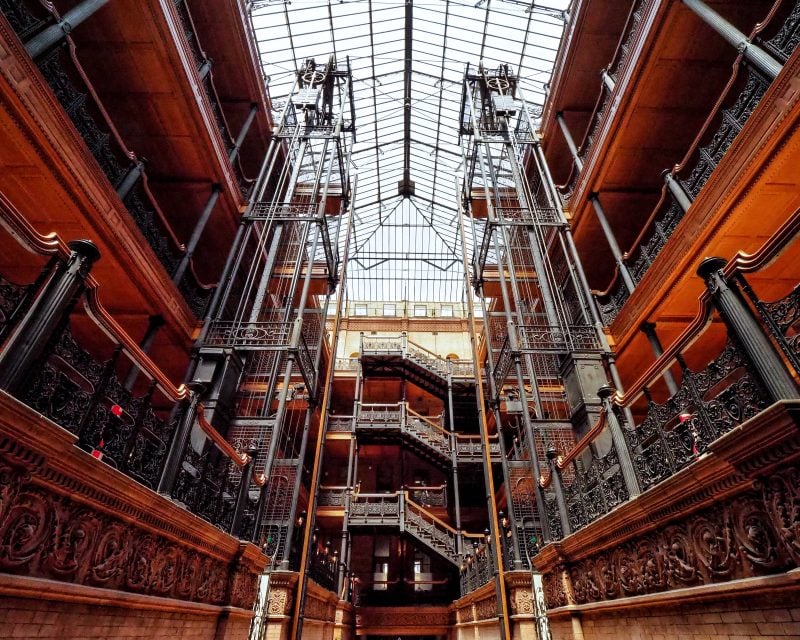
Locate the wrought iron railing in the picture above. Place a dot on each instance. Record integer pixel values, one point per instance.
(431, 531)
(502, 365)
(207, 82)
(597, 487)
(471, 446)
(476, 569)
(323, 566)
(733, 108)
(126, 421)
(425, 430)
(429, 496)
(14, 300)
(782, 319)
(340, 424)
(542, 338)
(375, 508)
(71, 86)
(244, 335)
(332, 496)
(675, 423)
(85, 395)
(346, 364)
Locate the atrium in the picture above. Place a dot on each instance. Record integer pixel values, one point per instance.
(389, 319)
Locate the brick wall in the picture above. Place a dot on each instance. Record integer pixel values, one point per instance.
(27, 618)
(745, 618)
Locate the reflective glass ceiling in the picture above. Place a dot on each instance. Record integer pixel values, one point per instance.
(407, 247)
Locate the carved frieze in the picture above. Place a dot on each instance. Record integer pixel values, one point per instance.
(398, 617)
(752, 534)
(45, 534)
(486, 609)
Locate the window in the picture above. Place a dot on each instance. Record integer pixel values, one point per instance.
(420, 311)
(380, 564)
(447, 311)
(389, 309)
(361, 309)
(422, 572)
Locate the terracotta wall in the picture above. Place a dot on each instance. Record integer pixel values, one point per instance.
(28, 618)
(774, 615)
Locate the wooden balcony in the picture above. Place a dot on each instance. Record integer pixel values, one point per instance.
(669, 70)
(751, 193)
(591, 36)
(144, 61)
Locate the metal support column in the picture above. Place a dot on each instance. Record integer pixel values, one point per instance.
(154, 323)
(677, 191)
(54, 34)
(205, 68)
(759, 58)
(130, 179)
(243, 132)
(197, 232)
(180, 440)
(608, 81)
(573, 149)
(558, 489)
(743, 324)
(612, 242)
(649, 330)
(27, 343)
(620, 445)
(243, 495)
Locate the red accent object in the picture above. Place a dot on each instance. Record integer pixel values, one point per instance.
(116, 410)
(684, 417)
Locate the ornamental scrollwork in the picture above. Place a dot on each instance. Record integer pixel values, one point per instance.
(47, 535)
(753, 534)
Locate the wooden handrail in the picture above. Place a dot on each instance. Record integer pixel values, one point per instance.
(584, 442)
(51, 244)
(240, 459)
(427, 420)
(749, 262)
(420, 487)
(113, 330)
(433, 355)
(687, 336)
(741, 262)
(429, 515)
(30, 239)
(361, 405)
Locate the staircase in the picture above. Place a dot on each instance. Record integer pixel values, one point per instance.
(398, 510)
(388, 354)
(424, 433)
(430, 531)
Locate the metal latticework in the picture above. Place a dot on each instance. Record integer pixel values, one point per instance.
(267, 334)
(544, 352)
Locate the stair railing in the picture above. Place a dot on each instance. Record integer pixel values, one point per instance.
(426, 429)
(429, 529)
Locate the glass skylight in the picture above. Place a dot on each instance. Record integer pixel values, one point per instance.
(408, 248)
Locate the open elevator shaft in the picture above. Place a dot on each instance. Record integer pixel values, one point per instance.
(542, 348)
(265, 341)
